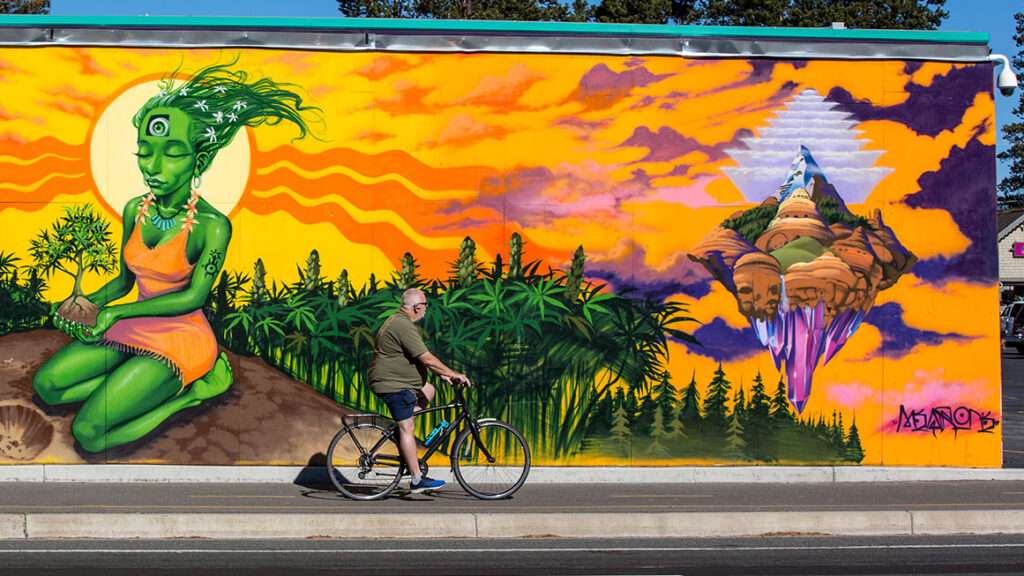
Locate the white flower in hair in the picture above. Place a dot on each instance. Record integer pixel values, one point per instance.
(201, 104)
(220, 89)
(240, 105)
(218, 116)
(232, 117)
(183, 91)
(211, 134)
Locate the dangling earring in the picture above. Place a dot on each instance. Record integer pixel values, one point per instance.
(197, 182)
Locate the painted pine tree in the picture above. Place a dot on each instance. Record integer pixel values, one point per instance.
(854, 451)
(658, 436)
(621, 433)
(689, 411)
(780, 411)
(677, 429)
(666, 394)
(757, 427)
(715, 403)
(739, 404)
(734, 435)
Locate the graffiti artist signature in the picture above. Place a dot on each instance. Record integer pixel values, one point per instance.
(942, 418)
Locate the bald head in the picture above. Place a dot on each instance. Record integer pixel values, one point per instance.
(414, 304)
(412, 297)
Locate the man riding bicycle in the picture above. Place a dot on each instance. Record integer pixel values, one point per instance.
(398, 375)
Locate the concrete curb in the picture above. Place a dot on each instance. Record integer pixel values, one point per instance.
(117, 473)
(118, 526)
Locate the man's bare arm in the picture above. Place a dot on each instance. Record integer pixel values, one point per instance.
(437, 367)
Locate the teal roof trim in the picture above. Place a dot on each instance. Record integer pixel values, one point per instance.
(493, 26)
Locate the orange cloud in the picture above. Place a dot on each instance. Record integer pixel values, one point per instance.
(463, 130)
(71, 100)
(408, 99)
(86, 64)
(503, 91)
(373, 136)
(384, 66)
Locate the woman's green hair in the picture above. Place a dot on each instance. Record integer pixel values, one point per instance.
(221, 101)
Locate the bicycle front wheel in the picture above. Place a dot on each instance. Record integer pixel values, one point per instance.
(493, 465)
(360, 465)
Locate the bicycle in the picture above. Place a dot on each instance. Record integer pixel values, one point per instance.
(362, 467)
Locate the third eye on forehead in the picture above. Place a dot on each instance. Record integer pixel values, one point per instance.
(159, 126)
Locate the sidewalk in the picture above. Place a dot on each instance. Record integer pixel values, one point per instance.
(31, 510)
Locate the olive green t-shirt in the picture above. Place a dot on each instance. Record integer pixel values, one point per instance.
(395, 349)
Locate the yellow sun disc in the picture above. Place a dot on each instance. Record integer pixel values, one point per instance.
(116, 173)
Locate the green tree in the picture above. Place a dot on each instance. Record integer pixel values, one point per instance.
(634, 11)
(666, 394)
(689, 411)
(378, 8)
(621, 433)
(739, 403)
(658, 436)
(716, 402)
(734, 435)
(1011, 188)
(854, 451)
(884, 14)
(837, 436)
(781, 413)
(677, 428)
(78, 242)
(24, 6)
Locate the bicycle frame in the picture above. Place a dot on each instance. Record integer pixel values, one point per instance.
(464, 418)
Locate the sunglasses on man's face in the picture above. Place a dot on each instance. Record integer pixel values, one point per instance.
(423, 304)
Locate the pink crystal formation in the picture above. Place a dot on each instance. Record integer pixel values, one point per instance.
(805, 270)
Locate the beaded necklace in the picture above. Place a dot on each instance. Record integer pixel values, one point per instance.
(166, 224)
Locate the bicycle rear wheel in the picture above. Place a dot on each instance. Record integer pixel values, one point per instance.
(356, 469)
(494, 467)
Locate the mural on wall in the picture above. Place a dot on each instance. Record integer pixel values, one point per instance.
(641, 261)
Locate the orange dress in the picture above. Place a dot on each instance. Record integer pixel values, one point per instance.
(185, 343)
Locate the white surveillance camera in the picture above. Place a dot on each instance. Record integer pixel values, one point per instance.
(1007, 80)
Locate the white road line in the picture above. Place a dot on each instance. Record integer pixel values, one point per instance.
(507, 550)
(661, 496)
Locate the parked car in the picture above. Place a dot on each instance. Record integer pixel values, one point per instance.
(1011, 325)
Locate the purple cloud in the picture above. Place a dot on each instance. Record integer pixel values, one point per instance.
(760, 72)
(928, 110)
(602, 87)
(898, 339)
(964, 186)
(667, 144)
(723, 343)
(630, 272)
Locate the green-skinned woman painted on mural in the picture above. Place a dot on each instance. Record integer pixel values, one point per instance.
(145, 361)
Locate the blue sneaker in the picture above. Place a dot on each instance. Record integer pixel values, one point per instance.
(425, 484)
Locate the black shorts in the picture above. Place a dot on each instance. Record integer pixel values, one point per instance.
(401, 404)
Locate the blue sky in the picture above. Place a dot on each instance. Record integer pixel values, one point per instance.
(992, 16)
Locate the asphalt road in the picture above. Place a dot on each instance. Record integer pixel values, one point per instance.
(1013, 409)
(637, 498)
(760, 556)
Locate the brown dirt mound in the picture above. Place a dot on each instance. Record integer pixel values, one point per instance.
(265, 418)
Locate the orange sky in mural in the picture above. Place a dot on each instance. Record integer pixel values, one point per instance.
(418, 151)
